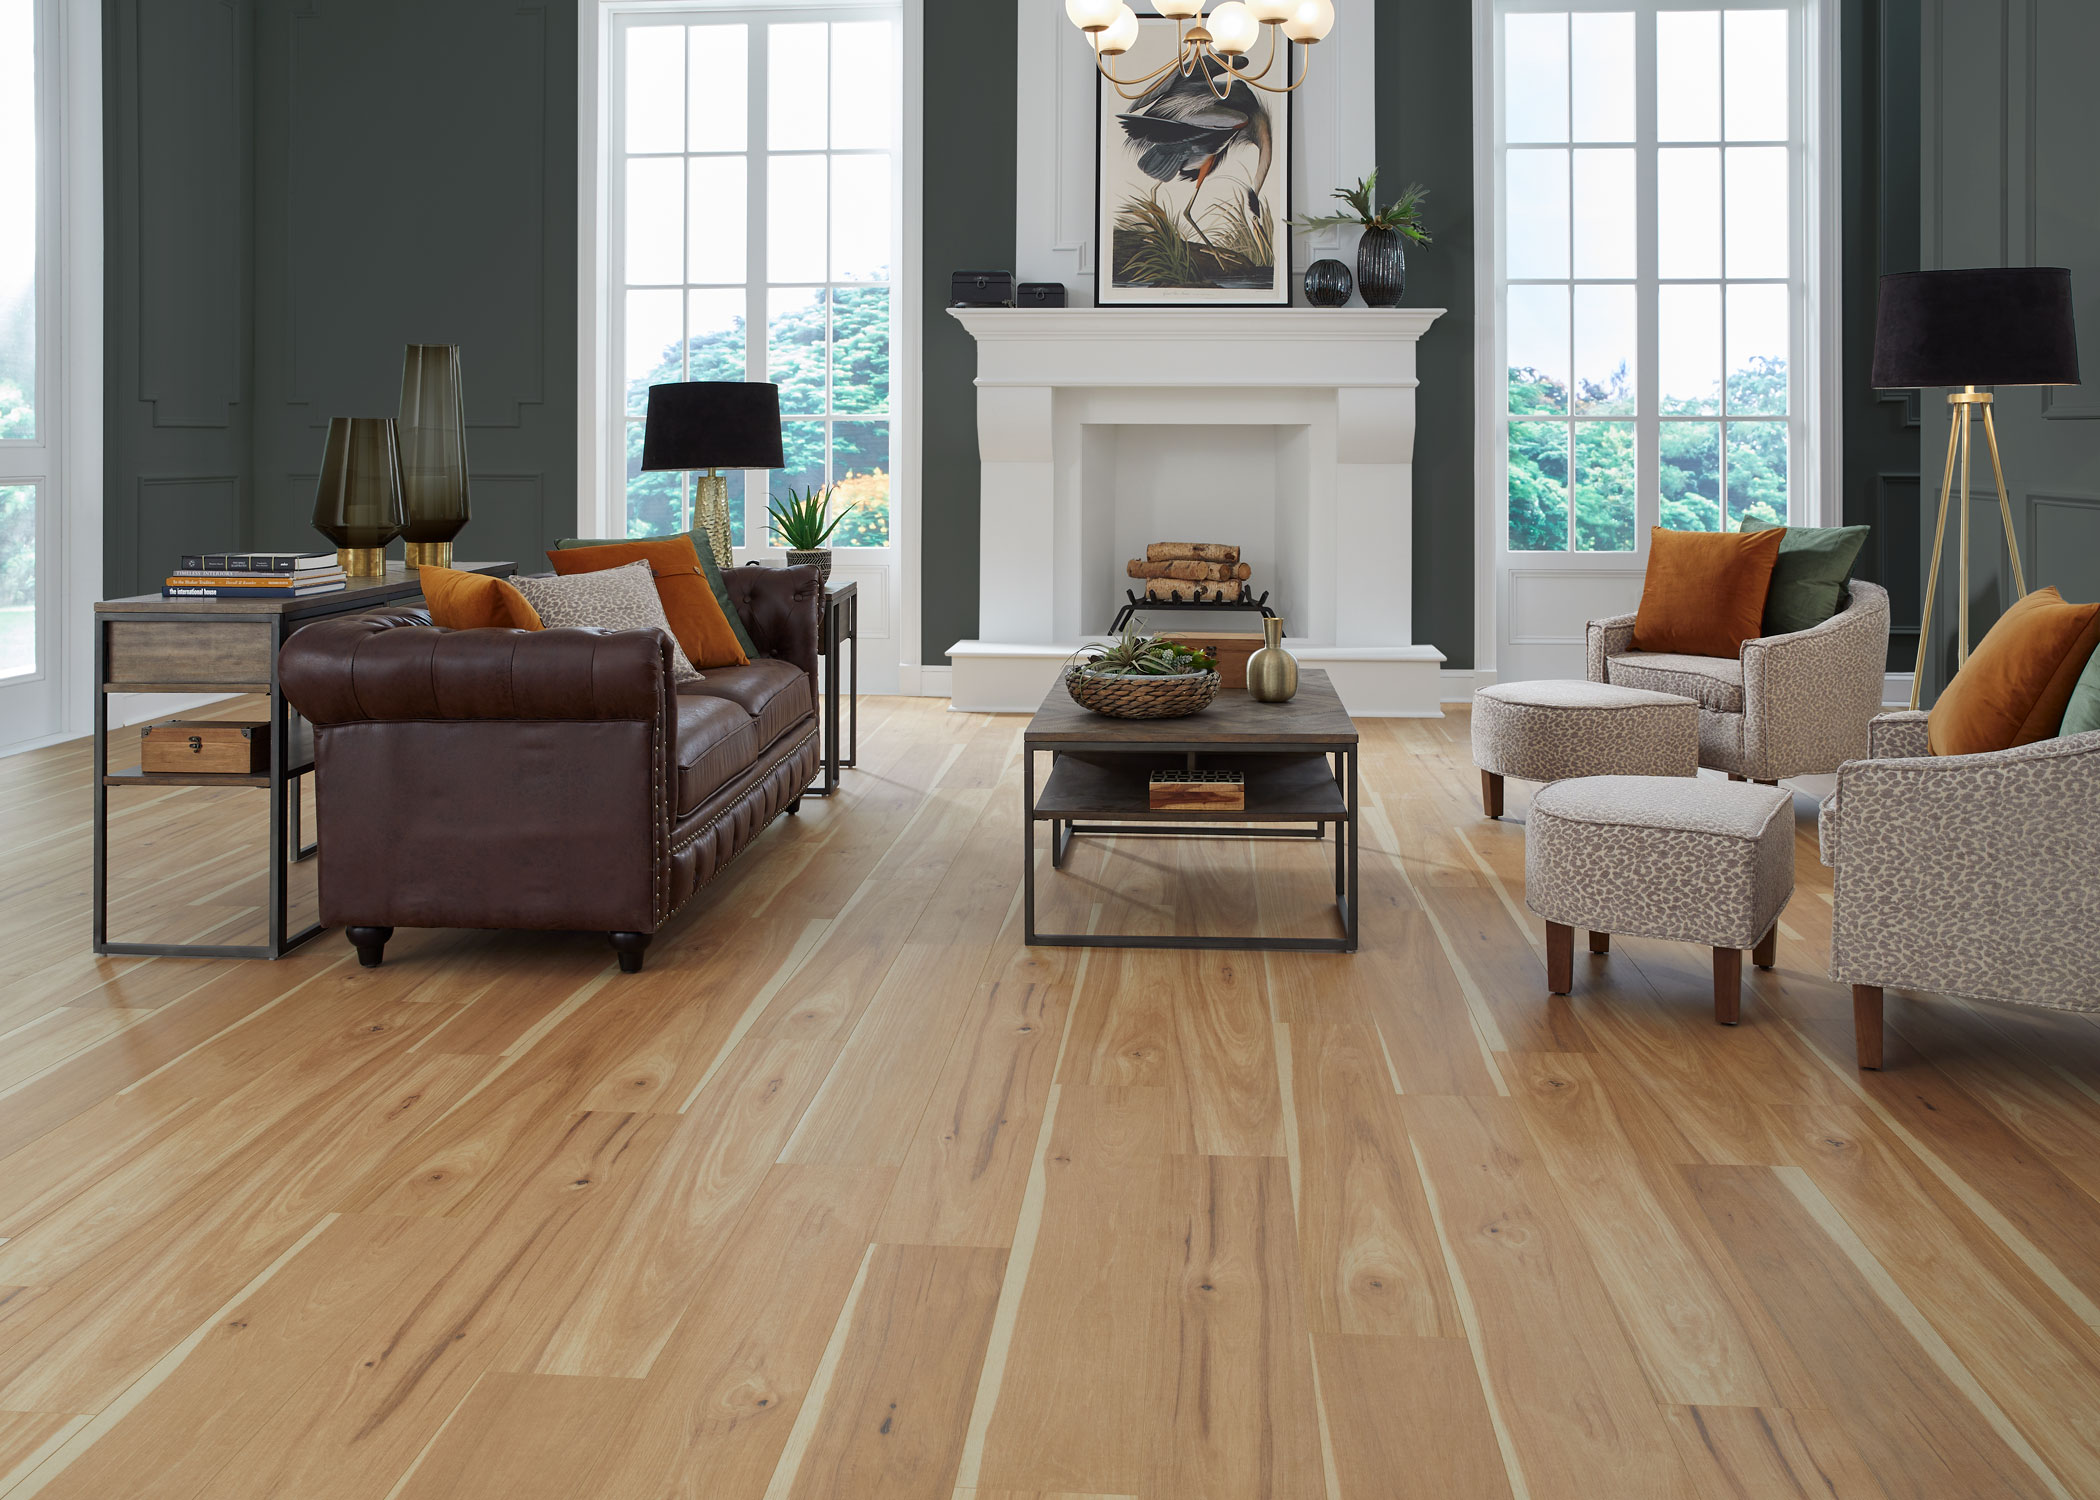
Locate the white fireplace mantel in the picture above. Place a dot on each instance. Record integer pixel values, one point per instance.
(1089, 425)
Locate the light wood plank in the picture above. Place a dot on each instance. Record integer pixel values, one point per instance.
(1767, 1454)
(526, 1437)
(1408, 1419)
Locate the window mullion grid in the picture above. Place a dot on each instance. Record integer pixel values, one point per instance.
(1647, 404)
(1568, 165)
(757, 271)
(685, 252)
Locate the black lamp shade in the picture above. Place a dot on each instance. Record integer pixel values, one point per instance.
(713, 424)
(2003, 326)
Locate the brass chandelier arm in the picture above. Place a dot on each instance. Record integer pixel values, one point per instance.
(1190, 52)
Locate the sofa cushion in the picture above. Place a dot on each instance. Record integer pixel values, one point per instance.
(716, 742)
(1808, 581)
(774, 693)
(1704, 592)
(713, 574)
(2018, 681)
(459, 600)
(622, 598)
(697, 619)
(1713, 682)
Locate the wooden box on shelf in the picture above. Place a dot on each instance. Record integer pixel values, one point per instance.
(1198, 791)
(239, 747)
(1230, 647)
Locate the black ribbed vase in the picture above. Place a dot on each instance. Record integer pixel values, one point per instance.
(1381, 267)
(1327, 283)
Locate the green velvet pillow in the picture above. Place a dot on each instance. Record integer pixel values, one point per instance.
(707, 566)
(1808, 581)
(2083, 712)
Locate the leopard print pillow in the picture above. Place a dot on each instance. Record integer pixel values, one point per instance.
(610, 599)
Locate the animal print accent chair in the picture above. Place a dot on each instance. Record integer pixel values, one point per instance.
(1788, 705)
(1974, 875)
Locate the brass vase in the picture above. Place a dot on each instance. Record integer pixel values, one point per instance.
(432, 432)
(1272, 672)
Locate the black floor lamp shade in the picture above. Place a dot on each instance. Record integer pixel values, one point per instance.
(713, 424)
(2002, 326)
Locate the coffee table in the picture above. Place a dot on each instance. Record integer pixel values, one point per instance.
(1100, 770)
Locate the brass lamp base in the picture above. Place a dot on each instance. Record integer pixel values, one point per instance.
(1965, 404)
(362, 562)
(429, 554)
(711, 515)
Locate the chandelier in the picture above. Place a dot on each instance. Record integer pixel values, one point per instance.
(1216, 45)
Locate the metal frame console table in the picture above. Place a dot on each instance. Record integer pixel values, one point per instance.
(149, 644)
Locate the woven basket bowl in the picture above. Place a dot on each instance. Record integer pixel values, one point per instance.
(1142, 697)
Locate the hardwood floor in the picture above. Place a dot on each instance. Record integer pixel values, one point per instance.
(852, 1194)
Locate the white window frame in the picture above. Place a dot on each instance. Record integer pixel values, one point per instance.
(1815, 438)
(601, 463)
(65, 458)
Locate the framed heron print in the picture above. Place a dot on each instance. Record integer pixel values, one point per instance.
(1193, 177)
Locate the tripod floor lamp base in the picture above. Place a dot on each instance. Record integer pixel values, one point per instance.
(1963, 406)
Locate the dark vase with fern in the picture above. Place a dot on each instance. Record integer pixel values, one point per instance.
(1381, 253)
(804, 523)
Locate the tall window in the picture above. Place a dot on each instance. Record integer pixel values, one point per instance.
(757, 189)
(1653, 278)
(22, 456)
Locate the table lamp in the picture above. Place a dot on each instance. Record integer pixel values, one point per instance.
(357, 504)
(712, 425)
(2002, 326)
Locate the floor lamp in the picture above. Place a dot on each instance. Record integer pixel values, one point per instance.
(2005, 326)
(712, 425)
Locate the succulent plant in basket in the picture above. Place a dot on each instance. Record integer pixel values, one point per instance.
(804, 523)
(1142, 677)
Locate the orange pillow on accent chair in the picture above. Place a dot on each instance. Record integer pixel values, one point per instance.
(1704, 594)
(689, 601)
(474, 601)
(2018, 681)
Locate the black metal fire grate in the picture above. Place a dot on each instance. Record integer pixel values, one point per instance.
(1199, 597)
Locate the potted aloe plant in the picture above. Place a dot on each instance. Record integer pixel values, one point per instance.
(804, 523)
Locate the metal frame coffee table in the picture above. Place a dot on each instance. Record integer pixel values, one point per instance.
(1098, 785)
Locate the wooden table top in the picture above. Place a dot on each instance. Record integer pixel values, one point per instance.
(399, 582)
(1314, 717)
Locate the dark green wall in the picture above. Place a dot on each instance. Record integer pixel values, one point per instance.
(968, 223)
(1425, 135)
(297, 188)
(1878, 73)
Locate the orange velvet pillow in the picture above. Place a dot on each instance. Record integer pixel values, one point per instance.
(689, 602)
(2018, 680)
(1705, 590)
(474, 601)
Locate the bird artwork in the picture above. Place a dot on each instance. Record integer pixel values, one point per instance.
(1194, 214)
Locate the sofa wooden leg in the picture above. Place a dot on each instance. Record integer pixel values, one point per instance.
(370, 943)
(1733, 777)
(1728, 986)
(1866, 1024)
(794, 807)
(630, 946)
(1491, 794)
(1600, 942)
(1766, 953)
(1560, 958)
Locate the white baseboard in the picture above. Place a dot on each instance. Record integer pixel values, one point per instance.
(1459, 684)
(917, 680)
(1895, 689)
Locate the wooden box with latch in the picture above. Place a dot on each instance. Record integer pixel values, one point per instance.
(239, 747)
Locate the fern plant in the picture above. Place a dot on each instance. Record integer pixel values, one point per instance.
(803, 522)
(1404, 213)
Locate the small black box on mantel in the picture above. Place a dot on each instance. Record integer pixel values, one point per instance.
(1042, 294)
(981, 289)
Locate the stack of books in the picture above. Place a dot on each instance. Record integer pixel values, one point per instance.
(254, 575)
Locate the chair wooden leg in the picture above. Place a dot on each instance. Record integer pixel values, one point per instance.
(1491, 794)
(1728, 986)
(1766, 953)
(1560, 958)
(1600, 942)
(1733, 777)
(1866, 1024)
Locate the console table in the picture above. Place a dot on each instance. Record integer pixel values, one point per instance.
(150, 644)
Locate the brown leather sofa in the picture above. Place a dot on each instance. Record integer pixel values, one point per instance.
(547, 779)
